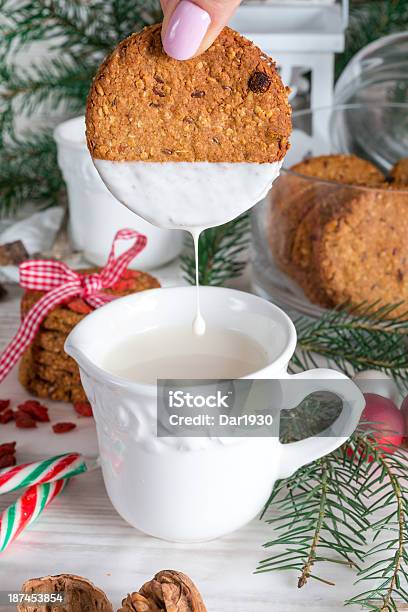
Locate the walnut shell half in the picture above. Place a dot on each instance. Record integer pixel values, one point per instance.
(80, 595)
(168, 591)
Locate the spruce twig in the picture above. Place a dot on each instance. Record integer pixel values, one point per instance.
(28, 169)
(311, 557)
(354, 503)
(391, 571)
(366, 337)
(369, 20)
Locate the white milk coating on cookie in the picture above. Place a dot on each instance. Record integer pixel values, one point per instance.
(188, 195)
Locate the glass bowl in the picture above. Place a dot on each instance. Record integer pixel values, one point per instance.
(289, 265)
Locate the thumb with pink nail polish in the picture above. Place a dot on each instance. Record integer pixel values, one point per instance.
(189, 28)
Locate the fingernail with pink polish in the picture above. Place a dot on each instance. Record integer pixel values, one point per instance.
(185, 31)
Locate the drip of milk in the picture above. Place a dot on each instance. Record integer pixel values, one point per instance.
(198, 323)
(188, 195)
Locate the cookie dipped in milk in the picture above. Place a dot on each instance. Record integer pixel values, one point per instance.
(188, 144)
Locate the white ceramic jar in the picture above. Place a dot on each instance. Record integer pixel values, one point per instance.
(95, 215)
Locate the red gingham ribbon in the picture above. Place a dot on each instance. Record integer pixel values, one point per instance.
(61, 284)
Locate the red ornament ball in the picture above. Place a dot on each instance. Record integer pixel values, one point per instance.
(404, 412)
(383, 417)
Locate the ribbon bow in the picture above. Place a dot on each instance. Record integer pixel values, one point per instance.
(61, 284)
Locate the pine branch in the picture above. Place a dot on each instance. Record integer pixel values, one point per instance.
(311, 556)
(390, 570)
(334, 505)
(311, 506)
(369, 20)
(29, 170)
(79, 34)
(365, 338)
(221, 253)
(55, 82)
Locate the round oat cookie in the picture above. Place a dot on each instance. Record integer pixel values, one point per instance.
(34, 384)
(304, 239)
(362, 253)
(51, 341)
(288, 201)
(60, 361)
(294, 196)
(43, 389)
(227, 105)
(399, 172)
(345, 169)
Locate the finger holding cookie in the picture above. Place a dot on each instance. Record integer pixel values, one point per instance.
(189, 28)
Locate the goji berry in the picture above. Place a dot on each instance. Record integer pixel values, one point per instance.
(79, 306)
(84, 409)
(9, 448)
(60, 428)
(35, 410)
(24, 421)
(7, 461)
(123, 285)
(6, 416)
(130, 273)
(4, 404)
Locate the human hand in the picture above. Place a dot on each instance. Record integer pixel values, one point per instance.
(189, 28)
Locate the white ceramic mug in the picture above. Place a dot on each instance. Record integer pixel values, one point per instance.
(193, 489)
(95, 215)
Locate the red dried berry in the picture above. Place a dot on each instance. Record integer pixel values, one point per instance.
(7, 461)
(4, 404)
(24, 421)
(126, 280)
(84, 409)
(6, 416)
(9, 448)
(124, 285)
(130, 273)
(60, 428)
(27, 404)
(35, 410)
(259, 82)
(79, 306)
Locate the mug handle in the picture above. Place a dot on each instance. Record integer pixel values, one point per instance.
(296, 454)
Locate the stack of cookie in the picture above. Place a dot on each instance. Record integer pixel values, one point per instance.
(341, 234)
(45, 369)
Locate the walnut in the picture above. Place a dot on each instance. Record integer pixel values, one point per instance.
(80, 595)
(168, 591)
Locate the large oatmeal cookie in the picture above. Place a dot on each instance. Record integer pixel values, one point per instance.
(227, 105)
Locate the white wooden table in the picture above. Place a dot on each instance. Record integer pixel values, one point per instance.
(81, 533)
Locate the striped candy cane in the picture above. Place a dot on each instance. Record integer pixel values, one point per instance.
(26, 510)
(40, 472)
